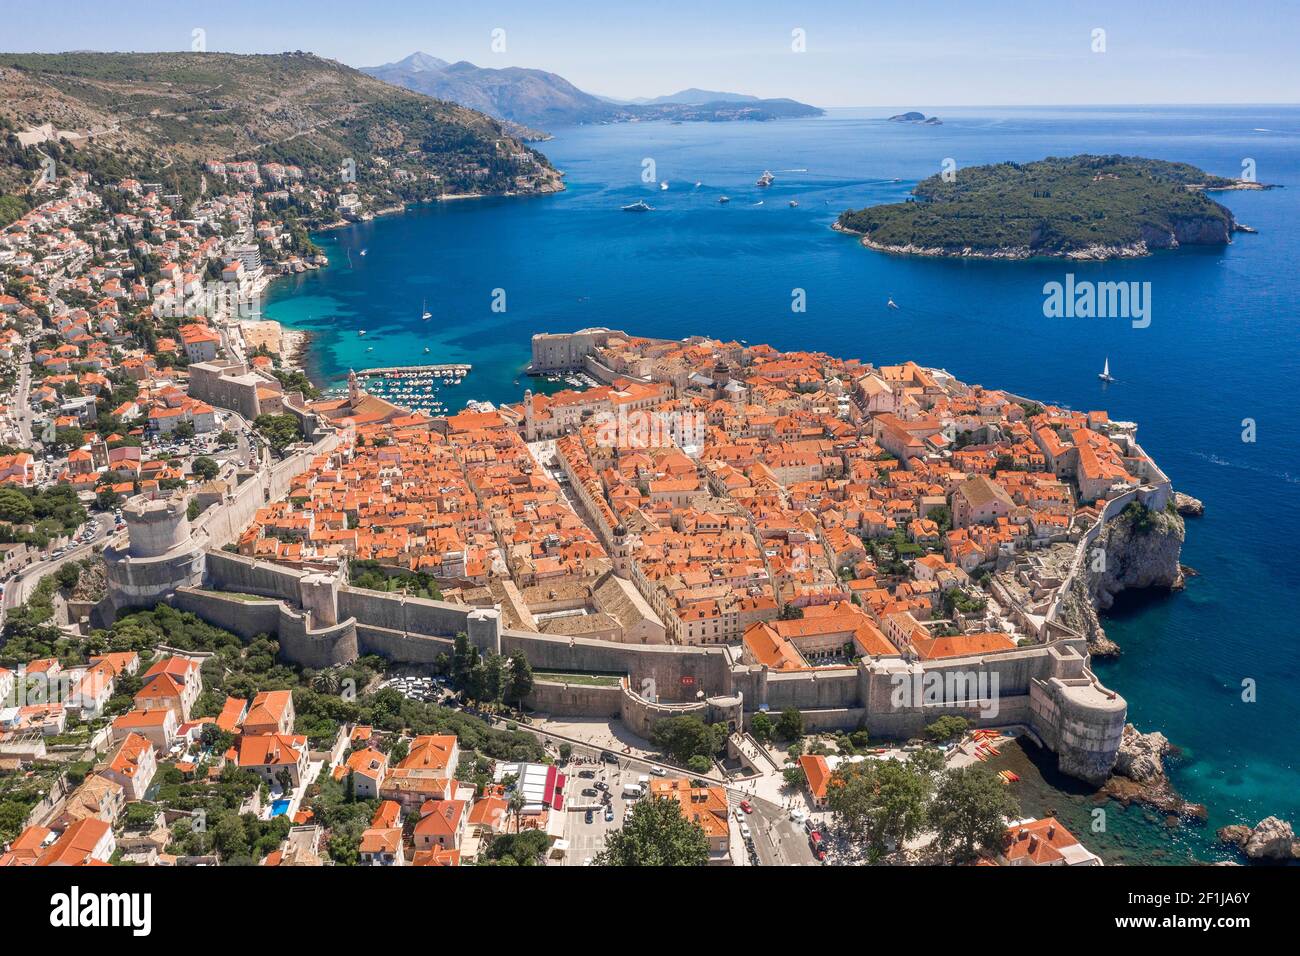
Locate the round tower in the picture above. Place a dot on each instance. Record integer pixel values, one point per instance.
(156, 526)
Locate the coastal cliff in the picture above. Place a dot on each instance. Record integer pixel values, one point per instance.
(1141, 549)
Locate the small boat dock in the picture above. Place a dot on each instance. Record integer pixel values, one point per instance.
(456, 370)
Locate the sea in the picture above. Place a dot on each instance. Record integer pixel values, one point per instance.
(1211, 381)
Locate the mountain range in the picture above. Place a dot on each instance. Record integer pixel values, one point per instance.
(166, 114)
(535, 100)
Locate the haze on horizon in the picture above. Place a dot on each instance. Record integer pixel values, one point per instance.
(915, 53)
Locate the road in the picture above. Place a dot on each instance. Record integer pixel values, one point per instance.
(22, 398)
(20, 588)
(778, 841)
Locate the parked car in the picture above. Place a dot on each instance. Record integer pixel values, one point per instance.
(745, 832)
(589, 816)
(659, 771)
(601, 785)
(589, 792)
(609, 814)
(817, 845)
(587, 774)
(746, 806)
(809, 825)
(608, 757)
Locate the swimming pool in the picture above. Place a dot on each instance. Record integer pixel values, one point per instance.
(279, 808)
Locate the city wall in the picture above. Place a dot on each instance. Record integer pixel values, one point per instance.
(1045, 687)
(321, 622)
(555, 696)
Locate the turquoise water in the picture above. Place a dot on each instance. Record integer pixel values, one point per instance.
(1221, 347)
(279, 808)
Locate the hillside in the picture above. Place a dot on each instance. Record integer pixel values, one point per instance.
(534, 99)
(529, 98)
(1082, 206)
(162, 115)
(695, 96)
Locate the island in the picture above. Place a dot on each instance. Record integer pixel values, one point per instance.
(913, 116)
(1076, 207)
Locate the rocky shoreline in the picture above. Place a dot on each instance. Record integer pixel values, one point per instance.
(1151, 242)
(1089, 254)
(1270, 841)
(1139, 776)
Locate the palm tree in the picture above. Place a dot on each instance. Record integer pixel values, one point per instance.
(326, 682)
(517, 805)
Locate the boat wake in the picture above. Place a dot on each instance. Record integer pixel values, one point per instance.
(1267, 472)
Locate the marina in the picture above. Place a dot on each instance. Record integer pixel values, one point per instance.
(417, 387)
(454, 370)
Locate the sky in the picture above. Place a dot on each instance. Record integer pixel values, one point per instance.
(854, 52)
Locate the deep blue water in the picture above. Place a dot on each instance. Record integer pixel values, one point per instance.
(1221, 347)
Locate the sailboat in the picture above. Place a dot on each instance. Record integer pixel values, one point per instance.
(664, 185)
(364, 251)
(1104, 374)
(424, 310)
(892, 304)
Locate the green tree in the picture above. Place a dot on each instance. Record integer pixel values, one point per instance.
(657, 834)
(494, 679)
(880, 803)
(517, 849)
(790, 725)
(106, 499)
(970, 811)
(280, 431)
(520, 683)
(15, 507)
(687, 736)
(69, 438)
(761, 727)
(699, 764)
(205, 468)
(947, 727)
(68, 575)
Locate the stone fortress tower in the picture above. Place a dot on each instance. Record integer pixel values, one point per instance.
(160, 554)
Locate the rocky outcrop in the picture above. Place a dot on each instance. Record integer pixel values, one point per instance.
(1190, 231)
(1141, 550)
(1139, 775)
(1269, 841)
(1187, 506)
(1141, 756)
(1077, 612)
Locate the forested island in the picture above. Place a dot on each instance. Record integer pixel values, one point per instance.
(1078, 207)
